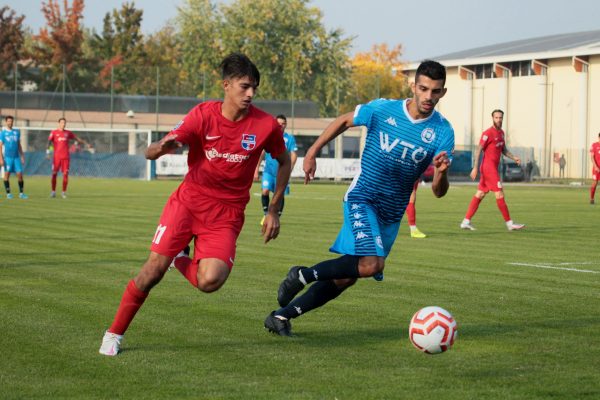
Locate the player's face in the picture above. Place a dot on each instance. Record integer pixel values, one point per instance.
(61, 124)
(498, 118)
(427, 93)
(282, 123)
(240, 91)
(9, 123)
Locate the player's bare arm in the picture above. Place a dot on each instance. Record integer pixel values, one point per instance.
(1, 156)
(166, 145)
(270, 228)
(440, 183)
(21, 153)
(260, 160)
(511, 156)
(473, 173)
(334, 129)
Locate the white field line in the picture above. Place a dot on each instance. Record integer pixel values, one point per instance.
(560, 268)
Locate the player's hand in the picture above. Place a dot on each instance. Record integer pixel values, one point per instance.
(441, 162)
(310, 167)
(169, 144)
(270, 228)
(473, 173)
(517, 160)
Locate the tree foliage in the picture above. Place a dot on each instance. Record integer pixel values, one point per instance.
(375, 74)
(59, 42)
(11, 44)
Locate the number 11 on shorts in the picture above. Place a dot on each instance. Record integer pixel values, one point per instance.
(159, 233)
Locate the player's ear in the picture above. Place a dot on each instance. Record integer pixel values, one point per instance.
(444, 92)
(412, 87)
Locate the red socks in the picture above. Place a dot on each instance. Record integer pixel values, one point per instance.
(54, 183)
(473, 206)
(503, 209)
(132, 300)
(188, 269)
(411, 214)
(65, 183)
(592, 191)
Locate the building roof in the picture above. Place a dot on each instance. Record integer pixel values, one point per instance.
(545, 47)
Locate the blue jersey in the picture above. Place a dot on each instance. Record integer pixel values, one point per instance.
(397, 151)
(271, 165)
(10, 142)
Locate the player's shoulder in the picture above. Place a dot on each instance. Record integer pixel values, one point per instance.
(442, 122)
(383, 103)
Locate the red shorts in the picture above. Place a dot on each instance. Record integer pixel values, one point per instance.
(61, 165)
(214, 226)
(489, 180)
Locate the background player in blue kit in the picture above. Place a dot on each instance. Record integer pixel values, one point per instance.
(11, 156)
(403, 138)
(271, 166)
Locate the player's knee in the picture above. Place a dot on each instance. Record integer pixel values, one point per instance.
(370, 266)
(344, 283)
(209, 284)
(152, 272)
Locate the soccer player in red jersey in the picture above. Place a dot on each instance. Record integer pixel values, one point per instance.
(225, 139)
(595, 153)
(59, 140)
(493, 146)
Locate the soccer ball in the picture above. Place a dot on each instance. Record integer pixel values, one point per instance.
(432, 330)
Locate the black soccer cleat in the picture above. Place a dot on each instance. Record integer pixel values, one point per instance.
(281, 327)
(290, 287)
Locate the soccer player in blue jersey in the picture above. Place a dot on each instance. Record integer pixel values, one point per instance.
(403, 138)
(12, 156)
(271, 167)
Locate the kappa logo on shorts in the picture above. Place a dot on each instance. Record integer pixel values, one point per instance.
(379, 242)
(248, 141)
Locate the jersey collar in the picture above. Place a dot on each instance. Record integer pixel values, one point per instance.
(411, 119)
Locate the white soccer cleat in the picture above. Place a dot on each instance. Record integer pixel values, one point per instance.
(52, 194)
(467, 225)
(111, 344)
(511, 226)
(183, 253)
(64, 195)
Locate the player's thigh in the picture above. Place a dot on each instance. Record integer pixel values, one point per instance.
(174, 230)
(65, 165)
(216, 231)
(212, 274)
(268, 182)
(360, 234)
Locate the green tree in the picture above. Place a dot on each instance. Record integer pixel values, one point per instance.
(11, 45)
(59, 42)
(289, 44)
(163, 53)
(199, 26)
(376, 74)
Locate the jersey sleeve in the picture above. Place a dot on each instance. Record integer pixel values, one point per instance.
(275, 145)
(485, 139)
(364, 112)
(447, 143)
(2, 138)
(292, 143)
(71, 135)
(51, 136)
(189, 127)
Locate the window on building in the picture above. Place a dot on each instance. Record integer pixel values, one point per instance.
(351, 146)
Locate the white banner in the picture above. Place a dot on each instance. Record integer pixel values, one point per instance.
(327, 168)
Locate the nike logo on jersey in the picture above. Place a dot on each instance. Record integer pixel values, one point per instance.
(211, 137)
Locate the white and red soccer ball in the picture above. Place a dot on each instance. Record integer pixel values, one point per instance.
(432, 330)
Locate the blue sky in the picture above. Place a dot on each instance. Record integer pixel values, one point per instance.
(424, 31)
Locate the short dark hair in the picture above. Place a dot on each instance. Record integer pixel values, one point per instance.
(281, 116)
(238, 65)
(9, 117)
(62, 119)
(497, 110)
(431, 69)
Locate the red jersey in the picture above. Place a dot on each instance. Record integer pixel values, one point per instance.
(60, 141)
(223, 154)
(595, 152)
(492, 142)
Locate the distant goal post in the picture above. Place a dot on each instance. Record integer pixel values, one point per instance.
(114, 152)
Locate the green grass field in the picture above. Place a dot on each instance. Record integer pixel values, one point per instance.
(527, 311)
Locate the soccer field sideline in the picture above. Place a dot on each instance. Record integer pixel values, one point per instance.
(524, 332)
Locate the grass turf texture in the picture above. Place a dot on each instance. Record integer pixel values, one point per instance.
(524, 332)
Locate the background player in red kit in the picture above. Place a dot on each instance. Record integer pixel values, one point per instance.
(493, 146)
(59, 139)
(225, 142)
(595, 153)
